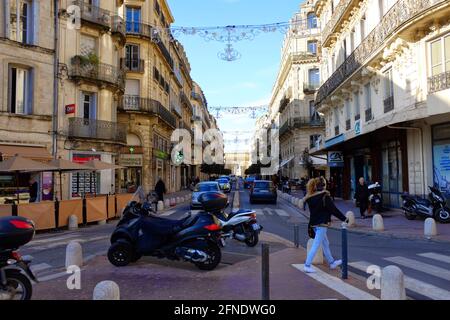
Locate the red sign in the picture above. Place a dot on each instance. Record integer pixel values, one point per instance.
(70, 109)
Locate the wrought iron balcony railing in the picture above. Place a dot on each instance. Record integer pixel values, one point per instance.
(99, 73)
(439, 82)
(97, 129)
(118, 26)
(300, 123)
(399, 14)
(150, 106)
(94, 14)
(388, 104)
(196, 96)
(133, 65)
(284, 104)
(310, 87)
(338, 13)
(368, 114)
(184, 99)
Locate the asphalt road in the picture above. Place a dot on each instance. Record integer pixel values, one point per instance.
(432, 268)
(407, 254)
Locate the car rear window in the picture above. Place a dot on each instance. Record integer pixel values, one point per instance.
(206, 187)
(262, 185)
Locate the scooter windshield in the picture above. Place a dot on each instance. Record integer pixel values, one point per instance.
(139, 196)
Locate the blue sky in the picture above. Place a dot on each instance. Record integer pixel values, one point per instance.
(245, 82)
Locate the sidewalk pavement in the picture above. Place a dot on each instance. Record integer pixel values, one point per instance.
(152, 279)
(395, 223)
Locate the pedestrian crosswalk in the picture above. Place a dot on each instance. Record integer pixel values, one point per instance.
(422, 277)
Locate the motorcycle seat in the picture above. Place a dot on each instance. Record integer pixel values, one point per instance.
(234, 213)
(164, 226)
(421, 201)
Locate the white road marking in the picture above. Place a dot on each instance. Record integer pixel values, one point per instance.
(62, 243)
(337, 284)
(53, 239)
(39, 267)
(259, 212)
(420, 266)
(166, 214)
(53, 276)
(282, 213)
(435, 256)
(422, 288)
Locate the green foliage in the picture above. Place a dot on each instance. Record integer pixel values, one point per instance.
(90, 59)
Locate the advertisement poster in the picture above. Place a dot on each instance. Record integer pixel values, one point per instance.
(442, 167)
(47, 186)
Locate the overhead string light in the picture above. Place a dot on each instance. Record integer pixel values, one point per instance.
(253, 111)
(235, 33)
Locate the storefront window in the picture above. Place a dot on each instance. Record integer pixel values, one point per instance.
(441, 157)
(84, 183)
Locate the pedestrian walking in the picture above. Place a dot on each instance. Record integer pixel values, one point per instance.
(332, 187)
(33, 190)
(362, 197)
(160, 189)
(321, 208)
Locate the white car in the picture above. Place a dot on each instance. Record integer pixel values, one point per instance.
(224, 185)
(201, 188)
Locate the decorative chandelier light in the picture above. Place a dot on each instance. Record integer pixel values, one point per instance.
(254, 111)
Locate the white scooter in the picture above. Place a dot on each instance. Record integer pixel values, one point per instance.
(240, 225)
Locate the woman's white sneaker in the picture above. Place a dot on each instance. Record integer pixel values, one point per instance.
(309, 269)
(335, 264)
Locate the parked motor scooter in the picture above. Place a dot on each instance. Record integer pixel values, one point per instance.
(375, 198)
(15, 274)
(433, 207)
(240, 225)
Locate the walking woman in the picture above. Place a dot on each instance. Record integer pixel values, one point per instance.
(321, 207)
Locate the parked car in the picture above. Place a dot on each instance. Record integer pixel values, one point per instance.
(248, 182)
(201, 188)
(224, 185)
(263, 190)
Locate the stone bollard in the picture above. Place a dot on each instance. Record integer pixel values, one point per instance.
(178, 200)
(377, 223)
(73, 222)
(166, 203)
(430, 228)
(160, 206)
(392, 284)
(351, 219)
(101, 222)
(173, 202)
(187, 198)
(318, 259)
(106, 290)
(74, 254)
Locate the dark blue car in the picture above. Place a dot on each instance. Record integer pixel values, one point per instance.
(263, 191)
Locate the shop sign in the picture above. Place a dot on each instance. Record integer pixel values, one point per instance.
(161, 154)
(70, 108)
(131, 160)
(335, 159)
(358, 127)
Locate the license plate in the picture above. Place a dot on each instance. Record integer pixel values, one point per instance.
(264, 191)
(256, 226)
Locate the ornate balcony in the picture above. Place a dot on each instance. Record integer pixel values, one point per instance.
(340, 12)
(133, 65)
(196, 96)
(439, 82)
(284, 104)
(150, 106)
(94, 15)
(310, 88)
(97, 73)
(97, 130)
(118, 27)
(301, 123)
(398, 16)
(184, 99)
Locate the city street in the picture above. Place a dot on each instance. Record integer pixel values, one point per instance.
(425, 263)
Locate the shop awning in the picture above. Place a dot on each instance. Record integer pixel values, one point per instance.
(33, 153)
(285, 162)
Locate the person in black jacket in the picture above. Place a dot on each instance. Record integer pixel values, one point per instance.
(321, 208)
(160, 189)
(362, 197)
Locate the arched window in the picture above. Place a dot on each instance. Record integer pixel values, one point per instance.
(311, 20)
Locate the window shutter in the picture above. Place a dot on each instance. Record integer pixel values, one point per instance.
(35, 20)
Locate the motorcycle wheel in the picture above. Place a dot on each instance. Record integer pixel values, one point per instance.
(253, 239)
(213, 251)
(120, 254)
(18, 286)
(409, 216)
(442, 215)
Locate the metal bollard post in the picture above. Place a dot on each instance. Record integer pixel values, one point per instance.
(296, 235)
(265, 272)
(344, 252)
